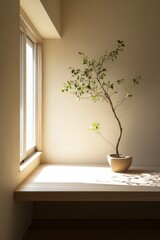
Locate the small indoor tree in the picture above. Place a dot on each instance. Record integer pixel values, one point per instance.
(92, 83)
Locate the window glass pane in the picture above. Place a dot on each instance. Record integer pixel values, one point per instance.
(30, 95)
(21, 96)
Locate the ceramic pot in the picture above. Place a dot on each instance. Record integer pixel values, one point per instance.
(120, 164)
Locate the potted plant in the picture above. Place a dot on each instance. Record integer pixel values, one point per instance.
(91, 83)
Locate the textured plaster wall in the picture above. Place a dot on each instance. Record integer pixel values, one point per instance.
(93, 26)
(14, 216)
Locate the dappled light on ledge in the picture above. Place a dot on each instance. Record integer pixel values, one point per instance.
(96, 175)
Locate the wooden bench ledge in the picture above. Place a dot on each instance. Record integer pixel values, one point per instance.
(52, 182)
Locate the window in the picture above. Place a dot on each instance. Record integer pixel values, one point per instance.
(30, 93)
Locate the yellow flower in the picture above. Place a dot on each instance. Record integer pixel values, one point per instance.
(95, 127)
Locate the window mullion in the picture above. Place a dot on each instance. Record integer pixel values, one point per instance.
(24, 96)
(35, 92)
(38, 96)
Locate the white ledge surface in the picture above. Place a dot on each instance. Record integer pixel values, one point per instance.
(89, 183)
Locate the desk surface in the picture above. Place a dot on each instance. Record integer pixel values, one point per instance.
(89, 183)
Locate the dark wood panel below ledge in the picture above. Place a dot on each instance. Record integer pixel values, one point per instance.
(93, 229)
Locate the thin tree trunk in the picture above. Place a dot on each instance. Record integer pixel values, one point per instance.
(108, 99)
(120, 129)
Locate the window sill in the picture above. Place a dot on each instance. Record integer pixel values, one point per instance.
(30, 161)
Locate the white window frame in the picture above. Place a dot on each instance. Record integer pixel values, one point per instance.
(28, 30)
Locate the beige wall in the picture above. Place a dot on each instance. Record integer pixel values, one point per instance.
(93, 26)
(14, 217)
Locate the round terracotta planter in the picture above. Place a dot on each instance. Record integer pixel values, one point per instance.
(120, 164)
